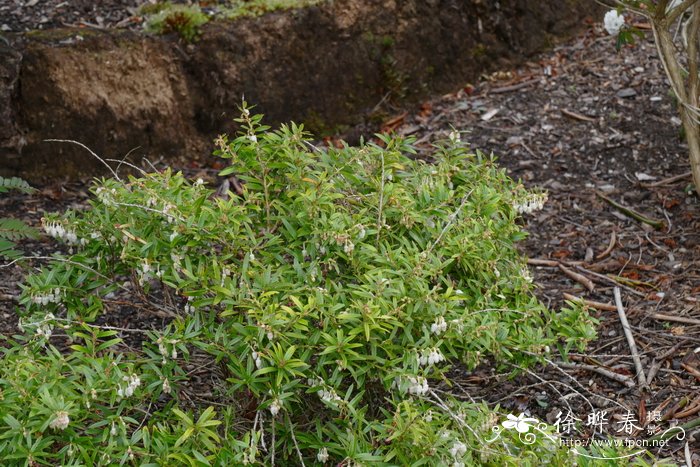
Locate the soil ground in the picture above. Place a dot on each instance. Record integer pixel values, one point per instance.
(583, 122)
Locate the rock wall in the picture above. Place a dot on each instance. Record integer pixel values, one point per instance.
(328, 65)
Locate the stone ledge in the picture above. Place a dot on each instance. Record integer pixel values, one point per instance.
(327, 65)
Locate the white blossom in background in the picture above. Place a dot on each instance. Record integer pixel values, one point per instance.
(167, 212)
(439, 326)
(531, 203)
(132, 382)
(349, 247)
(454, 137)
(60, 421)
(44, 299)
(430, 357)
(458, 449)
(613, 22)
(166, 386)
(257, 359)
(419, 385)
(57, 230)
(329, 396)
(105, 196)
(322, 455)
(525, 272)
(275, 407)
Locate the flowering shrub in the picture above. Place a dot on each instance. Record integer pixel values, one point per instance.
(326, 302)
(678, 54)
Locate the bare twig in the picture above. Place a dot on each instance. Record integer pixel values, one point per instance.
(578, 116)
(89, 150)
(609, 280)
(626, 380)
(586, 282)
(677, 319)
(657, 362)
(641, 378)
(631, 212)
(551, 263)
(667, 181)
(591, 303)
(294, 439)
(609, 249)
(514, 87)
(693, 408)
(692, 370)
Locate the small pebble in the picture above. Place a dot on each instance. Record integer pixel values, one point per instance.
(626, 92)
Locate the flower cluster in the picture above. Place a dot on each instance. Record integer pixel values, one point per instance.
(531, 203)
(275, 407)
(57, 230)
(419, 385)
(257, 359)
(326, 394)
(613, 22)
(105, 196)
(163, 349)
(45, 328)
(167, 212)
(144, 272)
(132, 382)
(60, 420)
(439, 326)
(430, 357)
(329, 396)
(45, 299)
(344, 239)
(322, 455)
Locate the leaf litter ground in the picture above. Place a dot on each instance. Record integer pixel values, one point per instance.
(585, 123)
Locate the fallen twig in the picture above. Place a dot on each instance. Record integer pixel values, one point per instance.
(583, 280)
(631, 212)
(693, 408)
(578, 116)
(656, 363)
(677, 319)
(667, 181)
(626, 380)
(609, 280)
(692, 370)
(609, 249)
(551, 263)
(676, 407)
(641, 378)
(591, 303)
(514, 87)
